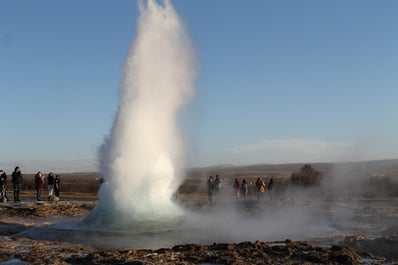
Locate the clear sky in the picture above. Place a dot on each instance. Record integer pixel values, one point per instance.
(278, 81)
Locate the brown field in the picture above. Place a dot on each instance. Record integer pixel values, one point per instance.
(85, 185)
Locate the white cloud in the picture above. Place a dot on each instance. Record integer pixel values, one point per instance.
(307, 150)
(291, 150)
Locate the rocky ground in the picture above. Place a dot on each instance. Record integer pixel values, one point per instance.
(287, 252)
(17, 217)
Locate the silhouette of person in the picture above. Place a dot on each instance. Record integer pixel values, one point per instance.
(245, 188)
(270, 186)
(210, 188)
(3, 185)
(17, 179)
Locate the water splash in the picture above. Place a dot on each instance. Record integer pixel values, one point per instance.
(142, 158)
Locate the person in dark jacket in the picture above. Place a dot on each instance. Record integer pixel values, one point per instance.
(210, 188)
(270, 186)
(245, 189)
(17, 182)
(3, 186)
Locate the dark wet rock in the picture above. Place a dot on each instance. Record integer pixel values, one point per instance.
(221, 247)
(344, 255)
(383, 246)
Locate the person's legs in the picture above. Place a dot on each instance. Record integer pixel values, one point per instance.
(16, 195)
(50, 191)
(2, 192)
(38, 194)
(5, 193)
(15, 192)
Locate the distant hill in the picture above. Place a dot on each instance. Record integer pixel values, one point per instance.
(377, 167)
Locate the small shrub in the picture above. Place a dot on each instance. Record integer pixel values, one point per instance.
(307, 176)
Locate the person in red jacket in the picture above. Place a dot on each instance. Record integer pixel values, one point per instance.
(39, 185)
(237, 187)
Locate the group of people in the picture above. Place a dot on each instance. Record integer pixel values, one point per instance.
(242, 187)
(214, 186)
(17, 178)
(261, 186)
(52, 186)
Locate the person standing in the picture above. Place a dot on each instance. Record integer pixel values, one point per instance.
(245, 188)
(50, 185)
(237, 187)
(261, 190)
(16, 183)
(210, 188)
(39, 185)
(270, 186)
(57, 180)
(217, 187)
(3, 185)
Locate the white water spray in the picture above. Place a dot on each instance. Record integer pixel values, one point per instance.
(142, 158)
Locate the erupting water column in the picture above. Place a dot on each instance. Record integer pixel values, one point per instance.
(141, 159)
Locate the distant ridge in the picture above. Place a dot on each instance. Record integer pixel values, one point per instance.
(364, 165)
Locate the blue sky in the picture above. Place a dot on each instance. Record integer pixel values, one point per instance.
(279, 81)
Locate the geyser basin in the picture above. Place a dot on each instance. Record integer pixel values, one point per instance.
(321, 222)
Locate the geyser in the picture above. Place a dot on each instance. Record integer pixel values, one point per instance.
(141, 159)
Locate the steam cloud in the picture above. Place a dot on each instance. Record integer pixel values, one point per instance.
(142, 158)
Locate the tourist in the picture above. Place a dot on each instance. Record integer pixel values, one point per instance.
(56, 188)
(217, 187)
(245, 188)
(16, 183)
(270, 186)
(260, 184)
(39, 185)
(50, 185)
(3, 186)
(237, 187)
(210, 188)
